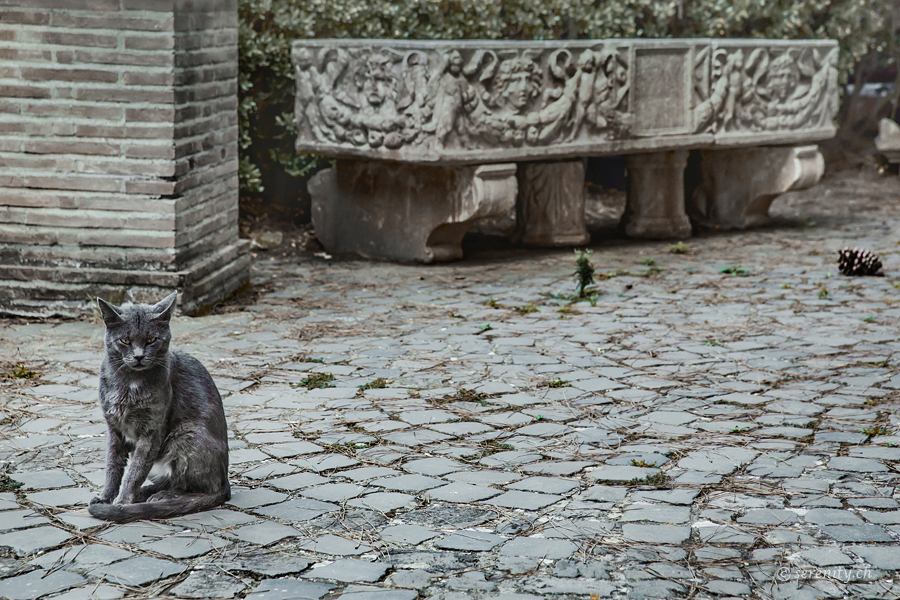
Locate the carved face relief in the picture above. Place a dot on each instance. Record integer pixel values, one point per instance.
(517, 83)
(378, 80)
(782, 78)
(303, 59)
(455, 63)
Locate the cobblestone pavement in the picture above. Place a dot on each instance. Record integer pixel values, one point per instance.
(695, 433)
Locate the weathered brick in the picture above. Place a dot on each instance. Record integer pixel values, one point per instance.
(26, 127)
(74, 218)
(83, 111)
(21, 17)
(23, 91)
(120, 237)
(25, 198)
(149, 59)
(71, 182)
(149, 132)
(66, 4)
(115, 22)
(93, 75)
(10, 107)
(71, 147)
(124, 95)
(24, 161)
(141, 168)
(150, 151)
(149, 78)
(29, 55)
(101, 131)
(21, 234)
(154, 5)
(79, 39)
(149, 42)
(150, 115)
(153, 187)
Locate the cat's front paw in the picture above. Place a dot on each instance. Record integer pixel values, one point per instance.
(124, 499)
(99, 500)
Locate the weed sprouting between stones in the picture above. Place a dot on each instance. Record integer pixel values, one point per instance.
(643, 463)
(526, 308)
(557, 383)
(7, 484)
(20, 372)
(678, 248)
(375, 384)
(736, 270)
(307, 358)
(464, 395)
(584, 271)
(317, 381)
(873, 431)
(657, 479)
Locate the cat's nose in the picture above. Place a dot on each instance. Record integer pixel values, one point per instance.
(138, 358)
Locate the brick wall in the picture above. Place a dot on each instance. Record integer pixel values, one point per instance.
(118, 152)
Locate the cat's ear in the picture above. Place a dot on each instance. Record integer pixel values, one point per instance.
(163, 309)
(111, 314)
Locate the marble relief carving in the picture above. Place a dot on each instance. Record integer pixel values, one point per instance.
(386, 97)
(761, 89)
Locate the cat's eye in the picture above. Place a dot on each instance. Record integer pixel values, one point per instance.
(124, 341)
(151, 340)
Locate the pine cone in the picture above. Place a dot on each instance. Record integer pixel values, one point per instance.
(858, 261)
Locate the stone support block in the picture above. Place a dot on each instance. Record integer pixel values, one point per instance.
(655, 207)
(550, 209)
(406, 212)
(738, 186)
(888, 140)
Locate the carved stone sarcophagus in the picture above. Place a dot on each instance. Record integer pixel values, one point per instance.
(455, 103)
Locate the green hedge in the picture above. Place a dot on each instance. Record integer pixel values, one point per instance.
(267, 28)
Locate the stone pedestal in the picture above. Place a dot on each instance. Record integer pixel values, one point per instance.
(119, 174)
(888, 140)
(738, 186)
(406, 212)
(550, 210)
(655, 208)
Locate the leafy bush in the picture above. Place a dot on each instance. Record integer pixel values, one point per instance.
(267, 28)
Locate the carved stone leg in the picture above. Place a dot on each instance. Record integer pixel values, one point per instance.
(738, 186)
(401, 211)
(550, 211)
(655, 208)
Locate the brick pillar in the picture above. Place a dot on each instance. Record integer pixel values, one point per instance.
(118, 153)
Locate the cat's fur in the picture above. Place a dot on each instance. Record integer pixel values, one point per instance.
(165, 421)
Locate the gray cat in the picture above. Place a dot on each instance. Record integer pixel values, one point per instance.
(163, 411)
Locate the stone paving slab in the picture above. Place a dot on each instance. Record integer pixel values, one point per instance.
(691, 432)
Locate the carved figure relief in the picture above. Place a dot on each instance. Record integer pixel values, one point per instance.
(765, 90)
(459, 99)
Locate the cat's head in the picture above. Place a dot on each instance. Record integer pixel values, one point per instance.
(137, 335)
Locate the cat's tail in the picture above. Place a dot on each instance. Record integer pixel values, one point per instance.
(162, 509)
